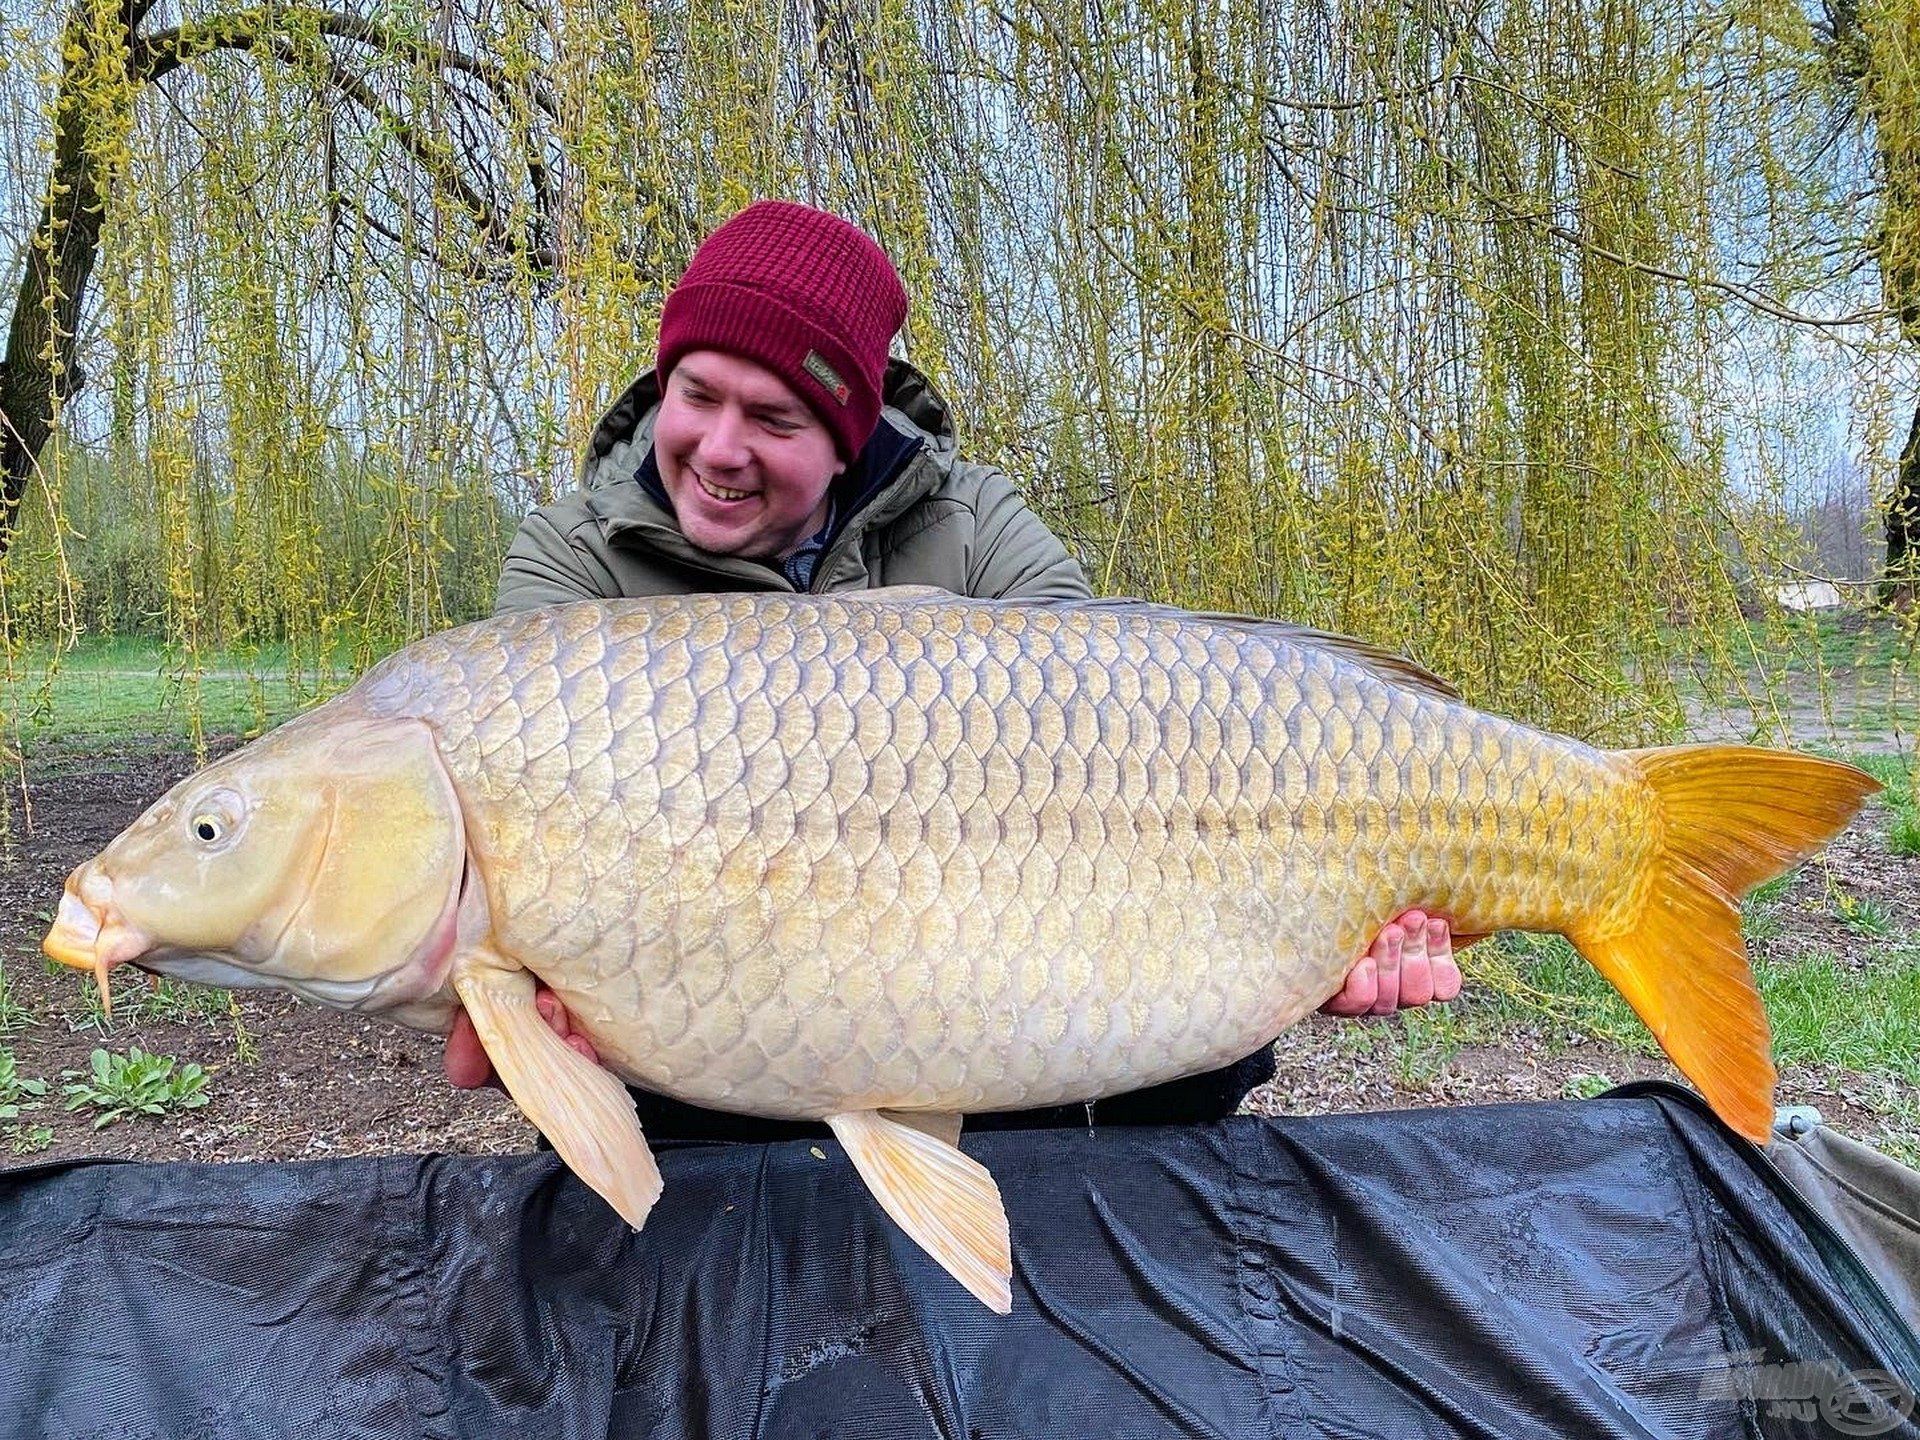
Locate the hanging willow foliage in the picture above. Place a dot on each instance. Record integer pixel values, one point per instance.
(1482, 331)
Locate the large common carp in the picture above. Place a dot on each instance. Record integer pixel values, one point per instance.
(887, 859)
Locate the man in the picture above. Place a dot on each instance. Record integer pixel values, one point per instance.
(775, 447)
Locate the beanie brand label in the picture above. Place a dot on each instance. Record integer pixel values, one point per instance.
(825, 374)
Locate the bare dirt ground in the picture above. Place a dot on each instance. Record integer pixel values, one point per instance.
(291, 1080)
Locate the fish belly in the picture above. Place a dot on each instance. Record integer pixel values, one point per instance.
(799, 856)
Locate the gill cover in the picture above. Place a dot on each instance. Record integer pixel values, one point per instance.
(384, 876)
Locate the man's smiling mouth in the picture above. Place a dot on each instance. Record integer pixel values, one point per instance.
(720, 492)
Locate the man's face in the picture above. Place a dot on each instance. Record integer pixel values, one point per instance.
(745, 461)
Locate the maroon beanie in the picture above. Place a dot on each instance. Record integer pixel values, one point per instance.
(805, 294)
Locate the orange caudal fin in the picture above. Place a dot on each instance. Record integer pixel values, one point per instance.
(1730, 817)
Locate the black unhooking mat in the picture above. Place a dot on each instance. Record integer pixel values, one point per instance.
(1617, 1268)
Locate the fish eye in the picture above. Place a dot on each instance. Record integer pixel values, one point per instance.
(214, 818)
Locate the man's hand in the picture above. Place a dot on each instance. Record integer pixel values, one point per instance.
(1410, 963)
(467, 1065)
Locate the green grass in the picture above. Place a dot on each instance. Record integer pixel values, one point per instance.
(1870, 641)
(1823, 1012)
(1853, 676)
(1900, 1108)
(107, 688)
(1846, 642)
(14, 1016)
(1892, 772)
(1760, 912)
(1826, 1013)
(1768, 892)
(1897, 776)
(136, 1000)
(1542, 982)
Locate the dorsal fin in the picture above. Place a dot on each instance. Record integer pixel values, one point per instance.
(1384, 664)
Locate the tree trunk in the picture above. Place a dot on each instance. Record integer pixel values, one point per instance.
(1902, 579)
(59, 265)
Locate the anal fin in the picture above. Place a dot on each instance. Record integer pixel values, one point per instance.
(946, 1202)
(576, 1104)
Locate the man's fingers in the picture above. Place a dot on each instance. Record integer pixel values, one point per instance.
(1410, 963)
(556, 1016)
(1446, 971)
(1356, 996)
(1417, 964)
(466, 1062)
(1388, 952)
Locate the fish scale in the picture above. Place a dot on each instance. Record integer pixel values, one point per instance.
(969, 856)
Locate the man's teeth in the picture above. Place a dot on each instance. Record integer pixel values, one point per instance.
(720, 492)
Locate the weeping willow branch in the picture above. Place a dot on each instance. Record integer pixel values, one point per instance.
(289, 34)
(106, 63)
(1745, 294)
(1453, 328)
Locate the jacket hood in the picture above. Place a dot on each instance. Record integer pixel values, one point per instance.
(913, 449)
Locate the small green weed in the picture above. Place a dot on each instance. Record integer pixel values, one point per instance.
(183, 1003)
(1356, 1040)
(1868, 918)
(244, 1047)
(1585, 1087)
(26, 1139)
(135, 1083)
(1428, 1040)
(18, 1093)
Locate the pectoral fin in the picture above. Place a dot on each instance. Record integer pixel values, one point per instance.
(581, 1108)
(946, 1202)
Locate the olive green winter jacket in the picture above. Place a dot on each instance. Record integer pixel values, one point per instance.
(909, 512)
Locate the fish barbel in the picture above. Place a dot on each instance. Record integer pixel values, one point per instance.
(886, 859)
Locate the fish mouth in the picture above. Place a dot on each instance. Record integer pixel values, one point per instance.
(88, 933)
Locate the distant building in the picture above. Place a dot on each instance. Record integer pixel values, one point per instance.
(1807, 595)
